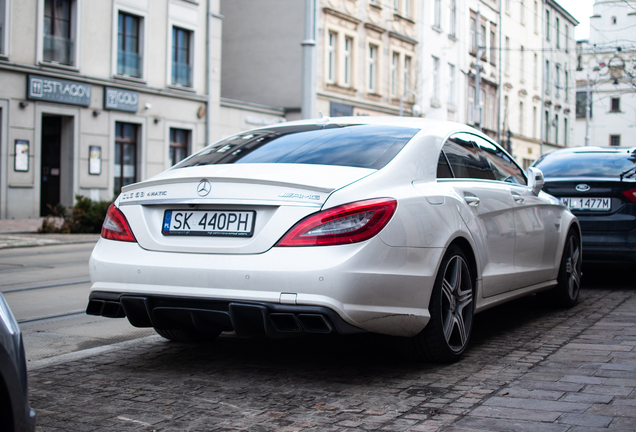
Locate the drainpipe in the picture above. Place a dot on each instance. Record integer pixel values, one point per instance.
(308, 102)
(208, 72)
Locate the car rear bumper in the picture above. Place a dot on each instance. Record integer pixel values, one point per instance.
(368, 286)
(614, 247)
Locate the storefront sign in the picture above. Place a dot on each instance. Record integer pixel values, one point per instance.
(58, 90)
(121, 100)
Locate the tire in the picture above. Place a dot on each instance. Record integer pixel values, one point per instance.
(452, 308)
(569, 279)
(187, 336)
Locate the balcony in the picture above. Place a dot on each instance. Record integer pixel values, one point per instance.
(59, 50)
(129, 64)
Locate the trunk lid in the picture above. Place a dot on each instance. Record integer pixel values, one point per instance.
(275, 195)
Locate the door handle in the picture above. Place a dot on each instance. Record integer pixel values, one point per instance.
(518, 198)
(471, 200)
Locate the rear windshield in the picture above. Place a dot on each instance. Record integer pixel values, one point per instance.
(588, 164)
(365, 146)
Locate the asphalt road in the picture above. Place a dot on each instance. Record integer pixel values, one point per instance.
(47, 289)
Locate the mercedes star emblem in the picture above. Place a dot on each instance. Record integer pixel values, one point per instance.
(204, 188)
(582, 187)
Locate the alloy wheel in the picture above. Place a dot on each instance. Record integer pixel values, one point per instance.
(457, 304)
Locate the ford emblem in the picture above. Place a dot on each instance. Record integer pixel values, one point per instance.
(582, 187)
(204, 188)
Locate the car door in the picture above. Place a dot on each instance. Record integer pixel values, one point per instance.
(536, 220)
(487, 209)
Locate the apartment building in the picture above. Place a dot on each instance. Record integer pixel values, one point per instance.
(366, 55)
(98, 95)
(606, 68)
(558, 64)
(521, 101)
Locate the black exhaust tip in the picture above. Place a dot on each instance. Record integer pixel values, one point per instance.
(315, 323)
(285, 322)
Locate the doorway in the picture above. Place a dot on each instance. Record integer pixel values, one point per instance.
(51, 156)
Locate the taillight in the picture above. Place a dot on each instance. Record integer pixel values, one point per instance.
(349, 223)
(630, 195)
(116, 226)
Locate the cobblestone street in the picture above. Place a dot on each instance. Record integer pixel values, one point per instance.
(528, 368)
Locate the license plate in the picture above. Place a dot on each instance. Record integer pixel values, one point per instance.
(598, 204)
(226, 223)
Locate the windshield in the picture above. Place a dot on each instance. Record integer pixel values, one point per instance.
(365, 146)
(586, 164)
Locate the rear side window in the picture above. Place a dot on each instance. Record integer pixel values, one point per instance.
(364, 146)
(588, 164)
(503, 167)
(465, 159)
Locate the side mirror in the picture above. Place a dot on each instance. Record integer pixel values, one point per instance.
(535, 180)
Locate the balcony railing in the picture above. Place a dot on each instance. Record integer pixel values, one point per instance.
(59, 50)
(128, 63)
(182, 74)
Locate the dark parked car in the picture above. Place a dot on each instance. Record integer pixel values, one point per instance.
(598, 184)
(15, 413)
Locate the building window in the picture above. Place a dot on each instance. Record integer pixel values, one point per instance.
(557, 31)
(547, 77)
(58, 42)
(482, 111)
(437, 13)
(452, 18)
(451, 85)
(556, 128)
(128, 45)
(396, 6)
(534, 122)
(535, 71)
(616, 105)
(435, 92)
(179, 142)
(395, 61)
(566, 36)
(471, 105)
(522, 54)
(473, 35)
(348, 46)
(125, 167)
(507, 56)
(557, 79)
(505, 113)
(522, 11)
(373, 68)
(547, 125)
(567, 83)
(482, 41)
(547, 24)
(407, 73)
(615, 140)
(491, 111)
(613, 20)
(407, 8)
(507, 4)
(536, 16)
(520, 118)
(581, 98)
(331, 57)
(565, 131)
(181, 57)
(493, 45)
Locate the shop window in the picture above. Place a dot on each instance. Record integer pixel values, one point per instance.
(129, 53)
(125, 166)
(179, 143)
(181, 57)
(58, 39)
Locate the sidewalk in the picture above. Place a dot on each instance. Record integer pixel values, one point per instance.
(16, 233)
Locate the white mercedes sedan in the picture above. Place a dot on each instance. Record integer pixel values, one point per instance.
(404, 227)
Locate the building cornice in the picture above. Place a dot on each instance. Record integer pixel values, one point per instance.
(341, 15)
(128, 85)
(403, 38)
